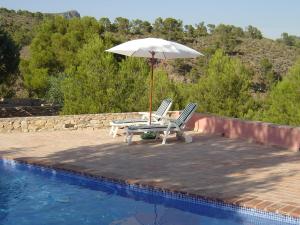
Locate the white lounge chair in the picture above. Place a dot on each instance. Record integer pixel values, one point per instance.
(156, 118)
(173, 126)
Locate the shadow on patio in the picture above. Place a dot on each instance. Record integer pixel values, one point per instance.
(212, 166)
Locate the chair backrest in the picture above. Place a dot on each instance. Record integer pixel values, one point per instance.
(186, 114)
(164, 107)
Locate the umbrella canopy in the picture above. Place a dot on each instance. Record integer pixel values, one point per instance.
(163, 49)
(154, 48)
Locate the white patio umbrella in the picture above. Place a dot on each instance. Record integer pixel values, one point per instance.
(154, 48)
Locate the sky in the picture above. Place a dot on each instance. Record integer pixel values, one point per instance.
(272, 17)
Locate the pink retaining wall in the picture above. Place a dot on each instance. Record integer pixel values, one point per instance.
(265, 133)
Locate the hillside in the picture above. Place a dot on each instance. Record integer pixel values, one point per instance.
(21, 24)
(282, 57)
(250, 51)
(251, 48)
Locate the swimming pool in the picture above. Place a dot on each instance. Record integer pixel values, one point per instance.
(33, 195)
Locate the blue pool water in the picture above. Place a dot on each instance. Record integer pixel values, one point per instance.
(31, 195)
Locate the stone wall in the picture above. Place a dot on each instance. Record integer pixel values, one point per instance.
(53, 123)
(265, 133)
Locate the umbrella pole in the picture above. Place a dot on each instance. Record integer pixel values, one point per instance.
(151, 87)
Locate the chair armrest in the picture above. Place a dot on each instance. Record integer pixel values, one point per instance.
(147, 113)
(143, 113)
(166, 119)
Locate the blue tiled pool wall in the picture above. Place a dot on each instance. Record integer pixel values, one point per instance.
(152, 195)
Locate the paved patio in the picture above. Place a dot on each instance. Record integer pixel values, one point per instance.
(235, 171)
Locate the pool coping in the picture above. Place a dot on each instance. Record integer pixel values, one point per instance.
(250, 203)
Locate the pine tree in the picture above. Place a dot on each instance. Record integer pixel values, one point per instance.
(225, 89)
(131, 81)
(91, 89)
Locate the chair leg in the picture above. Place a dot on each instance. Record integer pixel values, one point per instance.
(115, 132)
(165, 138)
(111, 130)
(129, 139)
(179, 135)
(166, 134)
(126, 135)
(187, 138)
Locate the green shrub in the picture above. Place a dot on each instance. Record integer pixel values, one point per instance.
(55, 93)
(283, 102)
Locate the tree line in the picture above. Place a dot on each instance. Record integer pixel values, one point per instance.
(68, 65)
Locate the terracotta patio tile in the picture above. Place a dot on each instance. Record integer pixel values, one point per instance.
(295, 212)
(253, 203)
(287, 209)
(263, 205)
(275, 207)
(242, 201)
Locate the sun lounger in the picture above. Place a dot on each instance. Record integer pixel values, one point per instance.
(173, 126)
(156, 118)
